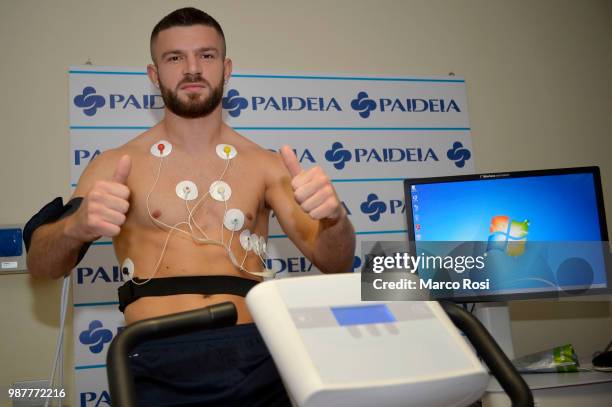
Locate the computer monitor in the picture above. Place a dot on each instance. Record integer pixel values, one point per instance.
(541, 233)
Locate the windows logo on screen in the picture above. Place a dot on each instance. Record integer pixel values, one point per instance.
(507, 235)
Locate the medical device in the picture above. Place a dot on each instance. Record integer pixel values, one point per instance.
(332, 349)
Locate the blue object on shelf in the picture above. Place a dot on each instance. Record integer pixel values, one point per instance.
(11, 242)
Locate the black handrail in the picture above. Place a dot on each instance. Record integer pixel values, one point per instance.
(500, 366)
(118, 370)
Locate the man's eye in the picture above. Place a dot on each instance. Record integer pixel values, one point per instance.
(174, 58)
(207, 56)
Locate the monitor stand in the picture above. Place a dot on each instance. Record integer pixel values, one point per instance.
(495, 316)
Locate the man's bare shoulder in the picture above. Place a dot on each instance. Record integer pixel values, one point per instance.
(140, 144)
(103, 166)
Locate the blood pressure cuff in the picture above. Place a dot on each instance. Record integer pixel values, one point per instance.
(51, 212)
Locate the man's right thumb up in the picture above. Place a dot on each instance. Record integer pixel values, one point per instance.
(122, 171)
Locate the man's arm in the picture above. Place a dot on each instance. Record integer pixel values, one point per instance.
(55, 247)
(309, 211)
(53, 252)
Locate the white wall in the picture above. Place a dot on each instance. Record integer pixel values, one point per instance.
(539, 86)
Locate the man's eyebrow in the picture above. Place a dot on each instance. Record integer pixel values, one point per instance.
(179, 52)
(172, 52)
(204, 49)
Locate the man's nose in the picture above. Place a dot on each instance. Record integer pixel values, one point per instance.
(193, 65)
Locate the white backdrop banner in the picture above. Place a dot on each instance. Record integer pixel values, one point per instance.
(368, 133)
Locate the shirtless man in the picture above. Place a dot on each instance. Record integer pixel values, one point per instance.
(129, 194)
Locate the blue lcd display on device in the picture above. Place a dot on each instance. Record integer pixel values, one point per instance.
(361, 315)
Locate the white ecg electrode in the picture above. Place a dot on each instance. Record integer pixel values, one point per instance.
(162, 148)
(234, 219)
(187, 190)
(220, 191)
(127, 268)
(226, 151)
(245, 240)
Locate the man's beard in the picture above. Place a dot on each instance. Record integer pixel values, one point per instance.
(197, 106)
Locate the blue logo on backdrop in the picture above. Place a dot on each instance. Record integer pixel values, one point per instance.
(91, 398)
(289, 264)
(363, 104)
(96, 336)
(89, 101)
(92, 275)
(338, 155)
(297, 264)
(85, 156)
(302, 155)
(234, 103)
(373, 207)
(458, 154)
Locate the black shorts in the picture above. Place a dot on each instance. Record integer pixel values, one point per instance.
(218, 367)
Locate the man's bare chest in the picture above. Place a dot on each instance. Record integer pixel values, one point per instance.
(196, 194)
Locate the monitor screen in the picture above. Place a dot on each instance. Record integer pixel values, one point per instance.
(541, 233)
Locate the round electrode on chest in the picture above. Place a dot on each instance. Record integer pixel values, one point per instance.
(187, 190)
(161, 148)
(263, 246)
(245, 239)
(234, 219)
(254, 239)
(226, 151)
(127, 269)
(220, 191)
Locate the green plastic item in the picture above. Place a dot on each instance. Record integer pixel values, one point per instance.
(561, 359)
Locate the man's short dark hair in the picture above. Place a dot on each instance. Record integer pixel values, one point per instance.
(185, 17)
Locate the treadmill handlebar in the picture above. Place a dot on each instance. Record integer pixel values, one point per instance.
(500, 366)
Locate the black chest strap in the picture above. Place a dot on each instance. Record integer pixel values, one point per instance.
(205, 285)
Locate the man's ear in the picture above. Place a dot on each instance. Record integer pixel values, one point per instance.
(153, 76)
(227, 69)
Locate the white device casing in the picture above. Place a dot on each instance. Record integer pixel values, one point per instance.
(315, 366)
